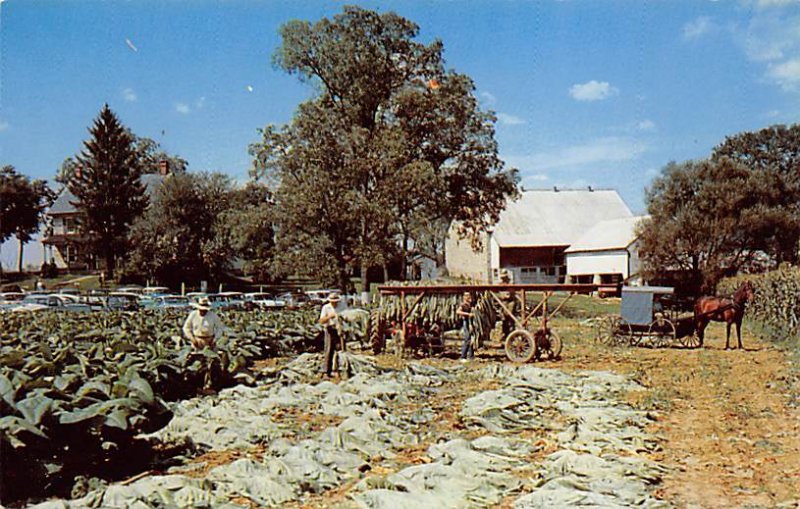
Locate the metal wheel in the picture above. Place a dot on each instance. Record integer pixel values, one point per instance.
(662, 332)
(520, 346)
(548, 345)
(607, 329)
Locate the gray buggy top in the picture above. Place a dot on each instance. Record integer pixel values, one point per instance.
(639, 303)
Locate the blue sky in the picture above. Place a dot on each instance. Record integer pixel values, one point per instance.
(587, 92)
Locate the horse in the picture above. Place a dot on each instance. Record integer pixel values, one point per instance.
(720, 309)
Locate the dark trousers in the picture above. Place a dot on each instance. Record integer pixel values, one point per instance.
(467, 352)
(331, 345)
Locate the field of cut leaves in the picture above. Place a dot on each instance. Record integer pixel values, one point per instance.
(75, 390)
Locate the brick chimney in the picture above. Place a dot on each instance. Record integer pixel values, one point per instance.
(163, 167)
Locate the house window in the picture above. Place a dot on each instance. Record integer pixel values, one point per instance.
(70, 225)
(550, 271)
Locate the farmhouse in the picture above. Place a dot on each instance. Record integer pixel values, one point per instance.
(606, 254)
(532, 235)
(64, 243)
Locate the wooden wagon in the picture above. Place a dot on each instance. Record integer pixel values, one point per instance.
(532, 338)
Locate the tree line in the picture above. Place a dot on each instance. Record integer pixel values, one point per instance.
(736, 211)
(389, 153)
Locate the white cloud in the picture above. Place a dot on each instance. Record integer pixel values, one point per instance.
(183, 108)
(129, 95)
(786, 74)
(488, 98)
(198, 105)
(588, 155)
(592, 91)
(646, 125)
(539, 177)
(773, 113)
(697, 27)
(506, 119)
(4, 126)
(766, 4)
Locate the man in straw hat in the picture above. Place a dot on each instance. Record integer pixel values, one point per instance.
(329, 319)
(203, 326)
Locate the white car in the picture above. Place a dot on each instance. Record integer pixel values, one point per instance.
(264, 300)
(155, 290)
(319, 296)
(53, 302)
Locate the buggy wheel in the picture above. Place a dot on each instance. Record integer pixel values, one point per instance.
(520, 346)
(690, 341)
(606, 329)
(662, 332)
(548, 345)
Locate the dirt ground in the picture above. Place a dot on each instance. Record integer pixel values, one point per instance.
(730, 434)
(728, 428)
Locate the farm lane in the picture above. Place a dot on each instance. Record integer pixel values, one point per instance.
(729, 419)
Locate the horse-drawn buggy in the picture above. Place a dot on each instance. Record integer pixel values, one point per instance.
(649, 316)
(419, 316)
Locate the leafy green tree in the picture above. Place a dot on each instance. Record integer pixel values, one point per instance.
(148, 152)
(184, 235)
(391, 141)
(109, 192)
(773, 154)
(707, 219)
(22, 205)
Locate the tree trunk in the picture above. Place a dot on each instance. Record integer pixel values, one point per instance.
(364, 278)
(404, 259)
(20, 254)
(110, 265)
(385, 273)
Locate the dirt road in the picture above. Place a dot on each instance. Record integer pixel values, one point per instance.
(727, 418)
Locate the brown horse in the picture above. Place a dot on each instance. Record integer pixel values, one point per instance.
(720, 309)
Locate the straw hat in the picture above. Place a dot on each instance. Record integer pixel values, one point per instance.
(334, 297)
(203, 303)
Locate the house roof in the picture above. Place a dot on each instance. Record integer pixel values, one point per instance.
(548, 217)
(607, 235)
(65, 203)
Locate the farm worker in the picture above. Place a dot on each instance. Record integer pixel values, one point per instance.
(203, 326)
(329, 319)
(509, 300)
(464, 312)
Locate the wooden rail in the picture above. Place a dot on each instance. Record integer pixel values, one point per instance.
(434, 289)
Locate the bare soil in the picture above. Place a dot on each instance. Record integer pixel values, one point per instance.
(729, 431)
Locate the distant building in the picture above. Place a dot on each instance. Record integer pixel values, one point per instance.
(606, 254)
(532, 235)
(64, 244)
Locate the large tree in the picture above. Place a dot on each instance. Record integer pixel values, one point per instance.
(22, 205)
(391, 143)
(772, 154)
(185, 234)
(109, 192)
(709, 218)
(149, 153)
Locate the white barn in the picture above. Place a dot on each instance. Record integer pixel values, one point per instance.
(606, 254)
(532, 235)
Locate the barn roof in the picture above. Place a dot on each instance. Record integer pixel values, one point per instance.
(607, 235)
(548, 217)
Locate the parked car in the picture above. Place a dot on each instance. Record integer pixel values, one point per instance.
(294, 299)
(10, 298)
(55, 302)
(156, 290)
(171, 302)
(264, 301)
(318, 296)
(227, 300)
(131, 289)
(69, 291)
(123, 301)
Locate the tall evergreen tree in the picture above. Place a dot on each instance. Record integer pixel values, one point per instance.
(109, 192)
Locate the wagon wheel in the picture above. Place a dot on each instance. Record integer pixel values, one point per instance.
(520, 346)
(605, 330)
(690, 341)
(628, 335)
(548, 345)
(662, 332)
